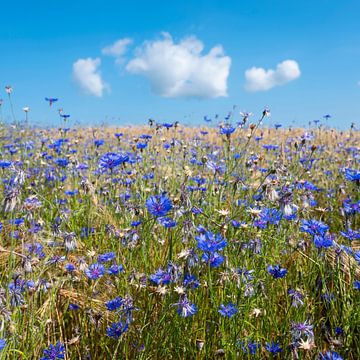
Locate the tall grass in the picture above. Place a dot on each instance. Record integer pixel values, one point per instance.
(222, 183)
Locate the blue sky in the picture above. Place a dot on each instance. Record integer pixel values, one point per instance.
(244, 61)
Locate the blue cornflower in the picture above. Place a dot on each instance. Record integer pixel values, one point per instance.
(268, 216)
(191, 281)
(5, 164)
(228, 310)
(51, 100)
(211, 243)
(82, 166)
(71, 192)
(114, 304)
(351, 207)
(54, 352)
(339, 331)
(227, 130)
(276, 271)
(356, 285)
(95, 271)
(167, 222)
(74, 307)
(2, 344)
(214, 259)
(351, 234)
(185, 307)
(352, 175)
(250, 347)
(161, 277)
(145, 136)
(296, 298)
(115, 269)
(216, 168)
(102, 258)
(321, 241)
(135, 223)
(357, 256)
(99, 142)
(16, 222)
(62, 162)
(314, 227)
(159, 205)
(111, 160)
(298, 330)
(167, 125)
(330, 355)
(273, 347)
(141, 145)
(69, 267)
(116, 329)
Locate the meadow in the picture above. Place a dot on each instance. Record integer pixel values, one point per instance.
(162, 241)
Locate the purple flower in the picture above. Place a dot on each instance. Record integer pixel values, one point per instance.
(314, 227)
(167, 222)
(95, 271)
(185, 308)
(167, 125)
(250, 347)
(102, 258)
(298, 330)
(159, 205)
(276, 271)
(330, 355)
(322, 241)
(69, 267)
(352, 175)
(351, 234)
(214, 259)
(227, 130)
(51, 100)
(114, 304)
(191, 281)
(228, 310)
(161, 277)
(62, 162)
(115, 269)
(99, 142)
(2, 344)
(5, 164)
(116, 329)
(273, 347)
(54, 352)
(111, 160)
(296, 298)
(211, 243)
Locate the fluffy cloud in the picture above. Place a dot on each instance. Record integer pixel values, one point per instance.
(117, 49)
(88, 77)
(180, 69)
(259, 79)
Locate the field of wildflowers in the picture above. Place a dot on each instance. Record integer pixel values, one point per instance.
(238, 241)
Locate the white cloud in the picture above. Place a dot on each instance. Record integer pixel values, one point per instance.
(117, 49)
(88, 77)
(180, 69)
(259, 79)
